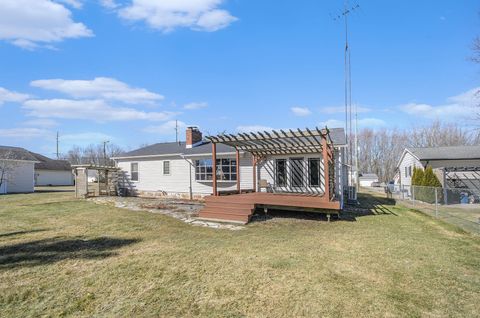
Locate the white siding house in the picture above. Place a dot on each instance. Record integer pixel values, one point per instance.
(17, 165)
(440, 159)
(185, 168)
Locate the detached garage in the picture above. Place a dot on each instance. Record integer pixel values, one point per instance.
(16, 170)
(50, 172)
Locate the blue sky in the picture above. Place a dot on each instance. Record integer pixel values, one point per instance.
(124, 71)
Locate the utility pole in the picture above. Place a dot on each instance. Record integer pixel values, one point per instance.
(58, 153)
(176, 131)
(105, 152)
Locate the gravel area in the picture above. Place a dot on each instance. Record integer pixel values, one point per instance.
(183, 210)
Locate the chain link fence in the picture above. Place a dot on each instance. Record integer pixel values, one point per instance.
(457, 206)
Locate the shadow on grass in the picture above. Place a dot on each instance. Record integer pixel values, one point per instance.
(56, 249)
(369, 204)
(20, 232)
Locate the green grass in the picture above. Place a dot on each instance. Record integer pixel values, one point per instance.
(64, 257)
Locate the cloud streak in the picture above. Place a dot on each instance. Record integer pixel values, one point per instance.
(94, 110)
(33, 23)
(167, 15)
(99, 88)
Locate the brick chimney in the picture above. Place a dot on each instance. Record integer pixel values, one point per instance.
(194, 136)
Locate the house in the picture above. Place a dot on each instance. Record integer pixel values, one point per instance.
(455, 167)
(50, 172)
(366, 179)
(186, 168)
(16, 170)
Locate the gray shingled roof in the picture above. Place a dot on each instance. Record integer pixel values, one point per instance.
(171, 148)
(15, 153)
(447, 153)
(50, 164)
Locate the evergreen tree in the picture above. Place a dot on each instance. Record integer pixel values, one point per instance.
(417, 177)
(430, 179)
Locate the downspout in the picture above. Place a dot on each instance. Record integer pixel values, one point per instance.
(190, 172)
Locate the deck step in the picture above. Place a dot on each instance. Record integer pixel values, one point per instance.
(226, 217)
(227, 212)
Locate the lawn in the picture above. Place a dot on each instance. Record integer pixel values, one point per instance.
(65, 257)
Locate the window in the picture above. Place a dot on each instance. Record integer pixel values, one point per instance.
(281, 172)
(134, 171)
(406, 172)
(410, 171)
(226, 170)
(296, 173)
(314, 172)
(166, 167)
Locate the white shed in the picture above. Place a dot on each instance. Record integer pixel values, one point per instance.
(16, 170)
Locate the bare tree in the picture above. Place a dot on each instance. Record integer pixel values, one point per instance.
(7, 168)
(380, 150)
(93, 154)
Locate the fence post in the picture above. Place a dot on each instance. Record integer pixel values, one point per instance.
(436, 203)
(413, 195)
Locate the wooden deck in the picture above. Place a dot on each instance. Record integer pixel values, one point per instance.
(240, 207)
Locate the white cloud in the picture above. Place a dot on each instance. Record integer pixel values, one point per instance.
(167, 15)
(77, 4)
(194, 105)
(341, 109)
(462, 105)
(24, 133)
(362, 122)
(95, 110)
(9, 96)
(100, 87)
(253, 128)
(301, 111)
(41, 122)
(32, 23)
(109, 4)
(167, 128)
(86, 137)
(332, 123)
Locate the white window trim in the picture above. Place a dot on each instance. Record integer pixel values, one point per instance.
(138, 173)
(169, 168)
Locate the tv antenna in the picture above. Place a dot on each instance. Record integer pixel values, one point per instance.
(352, 153)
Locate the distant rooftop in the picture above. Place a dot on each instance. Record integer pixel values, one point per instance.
(46, 163)
(446, 153)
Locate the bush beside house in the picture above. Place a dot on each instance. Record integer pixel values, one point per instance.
(426, 183)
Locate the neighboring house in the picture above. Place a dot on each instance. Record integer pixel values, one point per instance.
(17, 167)
(50, 172)
(455, 166)
(366, 179)
(185, 168)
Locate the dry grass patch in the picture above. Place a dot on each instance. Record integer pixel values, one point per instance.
(63, 257)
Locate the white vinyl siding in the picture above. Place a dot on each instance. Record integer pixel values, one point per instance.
(53, 178)
(22, 178)
(182, 171)
(152, 178)
(406, 168)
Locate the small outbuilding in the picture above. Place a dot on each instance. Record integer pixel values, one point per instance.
(50, 172)
(16, 170)
(366, 179)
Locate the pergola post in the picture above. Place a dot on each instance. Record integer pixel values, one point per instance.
(326, 169)
(238, 170)
(254, 164)
(214, 168)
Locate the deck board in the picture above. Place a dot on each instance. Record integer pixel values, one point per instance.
(218, 206)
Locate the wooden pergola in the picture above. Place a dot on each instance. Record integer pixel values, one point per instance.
(240, 207)
(278, 142)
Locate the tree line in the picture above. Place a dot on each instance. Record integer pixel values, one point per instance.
(380, 150)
